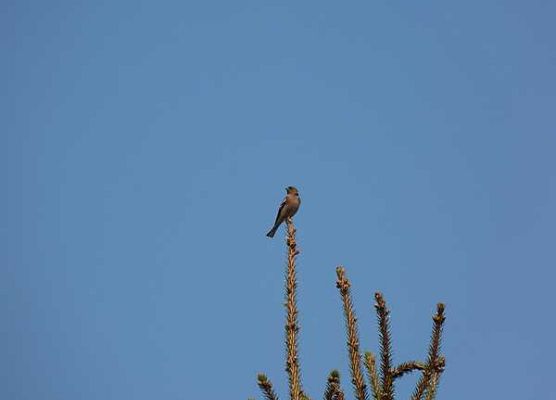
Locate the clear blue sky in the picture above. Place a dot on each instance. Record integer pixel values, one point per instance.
(145, 147)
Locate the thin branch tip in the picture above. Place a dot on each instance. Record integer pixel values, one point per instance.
(266, 387)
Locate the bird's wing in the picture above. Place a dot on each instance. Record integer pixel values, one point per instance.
(284, 203)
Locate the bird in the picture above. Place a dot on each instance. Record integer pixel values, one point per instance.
(287, 209)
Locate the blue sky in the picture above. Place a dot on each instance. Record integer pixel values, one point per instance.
(145, 147)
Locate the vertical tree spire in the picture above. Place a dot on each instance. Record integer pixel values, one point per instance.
(292, 326)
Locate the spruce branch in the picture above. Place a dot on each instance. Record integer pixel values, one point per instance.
(358, 381)
(333, 389)
(435, 363)
(436, 337)
(370, 364)
(266, 387)
(406, 367)
(292, 326)
(433, 384)
(387, 381)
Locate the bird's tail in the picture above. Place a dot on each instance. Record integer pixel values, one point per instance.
(271, 232)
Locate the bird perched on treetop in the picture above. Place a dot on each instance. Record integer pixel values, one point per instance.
(287, 209)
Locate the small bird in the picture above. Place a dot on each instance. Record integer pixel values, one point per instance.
(287, 209)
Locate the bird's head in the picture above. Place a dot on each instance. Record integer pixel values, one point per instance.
(292, 190)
